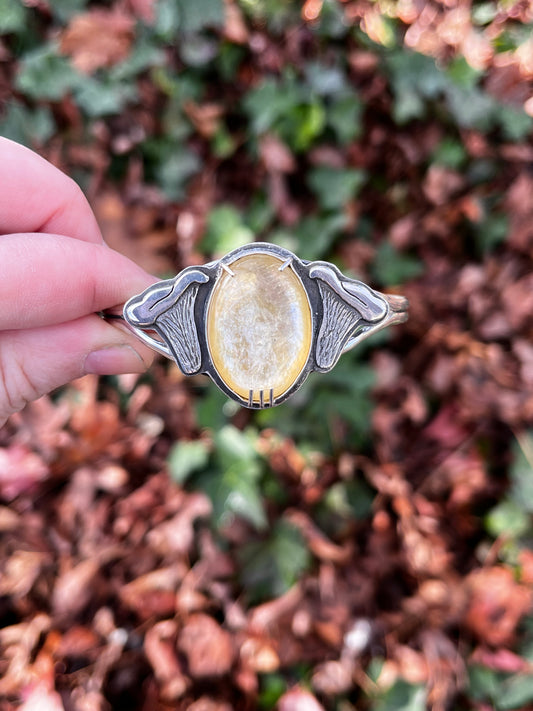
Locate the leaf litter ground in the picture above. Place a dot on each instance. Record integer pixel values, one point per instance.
(367, 546)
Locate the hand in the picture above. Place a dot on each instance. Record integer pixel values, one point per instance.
(55, 273)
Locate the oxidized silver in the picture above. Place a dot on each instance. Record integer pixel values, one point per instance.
(171, 317)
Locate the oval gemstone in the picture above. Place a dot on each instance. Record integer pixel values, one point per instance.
(259, 327)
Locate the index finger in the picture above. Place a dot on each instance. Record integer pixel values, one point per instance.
(35, 196)
(48, 279)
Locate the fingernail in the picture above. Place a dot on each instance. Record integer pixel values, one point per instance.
(114, 361)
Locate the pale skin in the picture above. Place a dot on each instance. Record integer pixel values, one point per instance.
(56, 273)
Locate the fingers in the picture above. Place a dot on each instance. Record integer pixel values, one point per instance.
(48, 279)
(35, 361)
(37, 197)
(50, 284)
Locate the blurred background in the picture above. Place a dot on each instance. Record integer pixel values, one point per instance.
(366, 545)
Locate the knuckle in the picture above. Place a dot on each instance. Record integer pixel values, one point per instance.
(71, 195)
(73, 190)
(16, 387)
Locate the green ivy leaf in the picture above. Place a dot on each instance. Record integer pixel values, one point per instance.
(236, 447)
(277, 14)
(144, 55)
(187, 458)
(344, 503)
(515, 692)
(223, 144)
(197, 15)
(462, 73)
(175, 170)
(317, 234)
(508, 519)
(167, 19)
(345, 116)
(331, 22)
(402, 697)
(233, 483)
(225, 230)
(521, 472)
(213, 408)
(450, 153)
(230, 58)
(351, 499)
(471, 107)
(44, 74)
(173, 16)
(289, 107)
(64, 10)
(325, 80)
(335, 187)
(272, 687)
(260, 213)
(267, 103)
(415, 78)
(484, 12)
(516, 124)
(12, 16)
(102, 97)
(504, 691)
(27, 126)
(271, 567)
(233, 493)
(303, 125)
(491, 232)
(343, 396)
(391, 267)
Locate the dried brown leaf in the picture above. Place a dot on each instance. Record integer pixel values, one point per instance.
(9, 519)
(145, 9)
(205, 703)
(21, 470)
(298, 699)
(497, 604)
(160, 650)
(98, 38)
(269, 613)
(235, 29)
(208, 648)
(177, 535)
(154, 594)
(526, 567)
(520, 210)
(41, 698)
(18, 643)
(204, 117)
(441, 184)
(333, 678)
(20, 572)
(74, 588)
(77, 641)
(501, 660)
(258, 654)
(318, 542)
(275, 154)
(134, 232)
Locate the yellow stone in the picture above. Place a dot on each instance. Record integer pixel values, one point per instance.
(259, 327)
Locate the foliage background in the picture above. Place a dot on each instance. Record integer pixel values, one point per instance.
(367, 544)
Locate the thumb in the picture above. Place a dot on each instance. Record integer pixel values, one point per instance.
(37, 360)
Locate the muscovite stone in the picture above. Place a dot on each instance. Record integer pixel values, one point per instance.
(259, 327)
